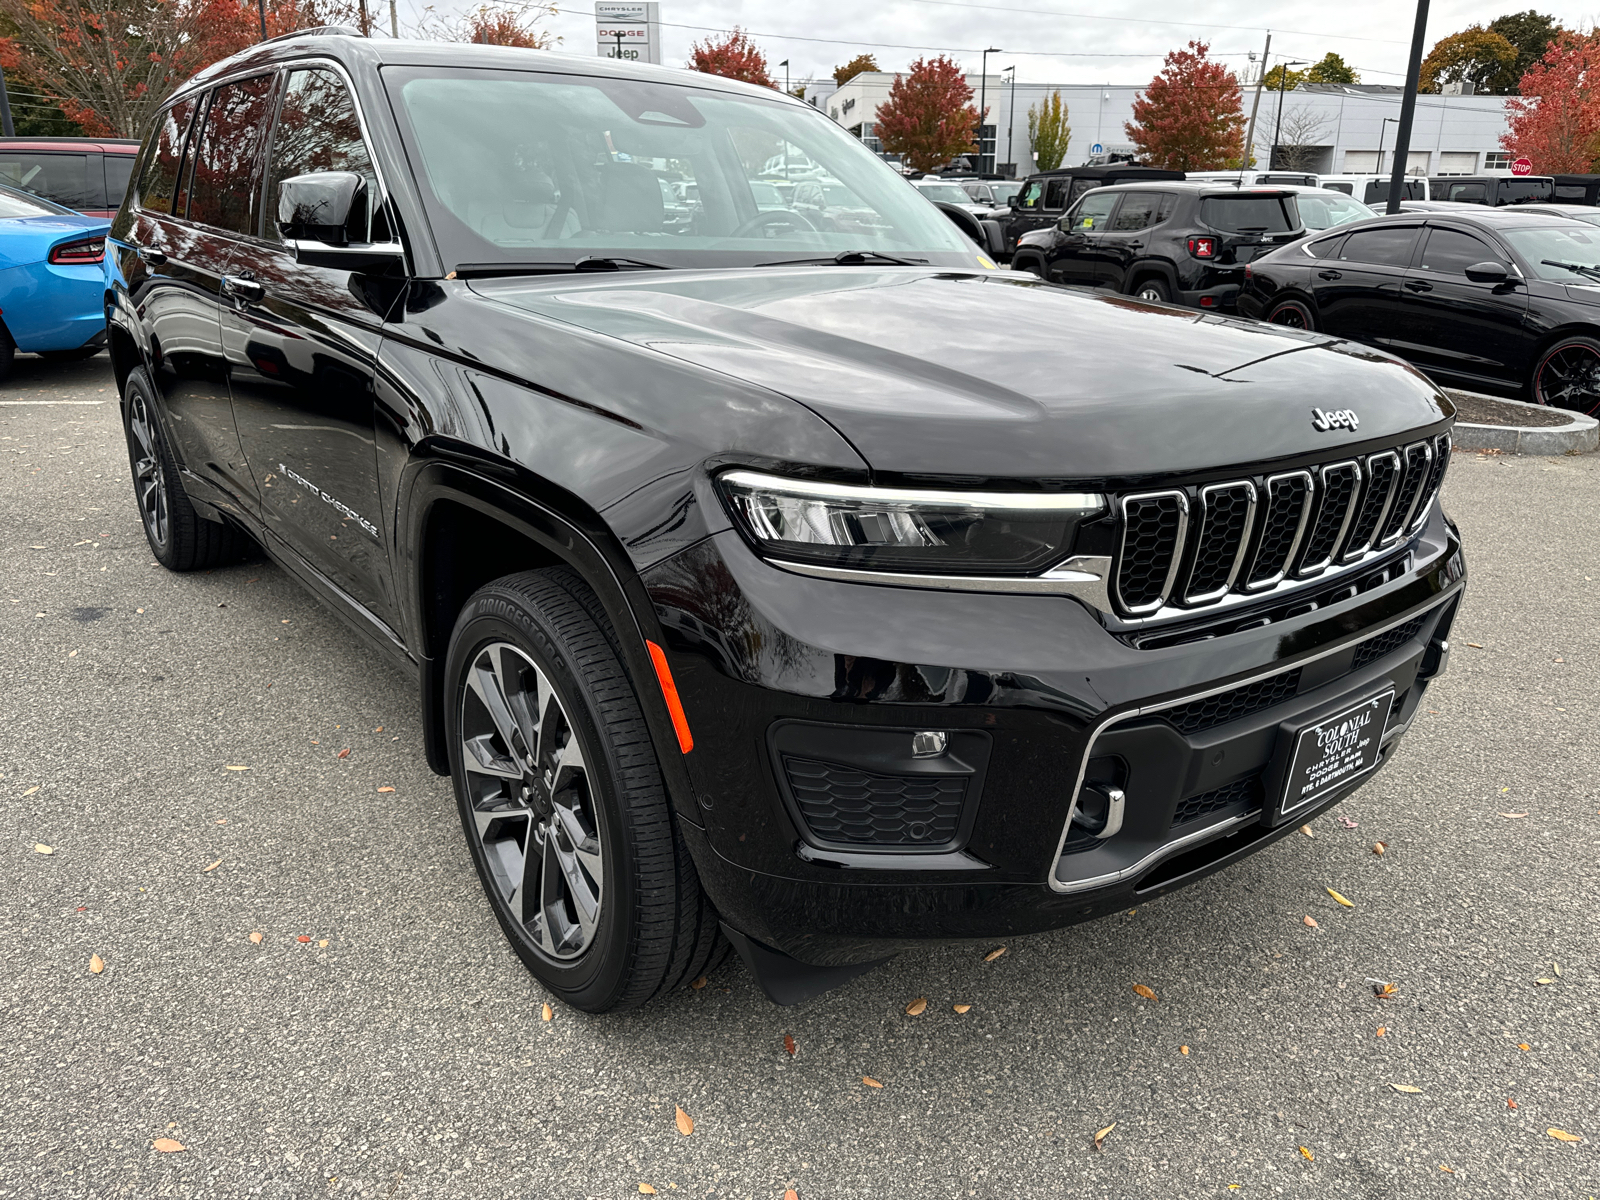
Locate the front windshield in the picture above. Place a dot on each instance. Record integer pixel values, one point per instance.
(944, 193)
(1324, 211)
(1574, 245)
(524, 167)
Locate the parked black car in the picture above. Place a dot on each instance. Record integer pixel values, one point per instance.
(1500, 299)
(739, 603)
(1493, 191)
(1046, 195)
(1171, 242)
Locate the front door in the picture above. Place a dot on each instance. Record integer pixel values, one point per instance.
(1358, 294)
(301, 343)
(1124, 241)
(1457, 326)
(1075, 253)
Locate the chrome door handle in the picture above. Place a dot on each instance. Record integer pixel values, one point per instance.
(1417, 285)
(240, 288)
(154, 257)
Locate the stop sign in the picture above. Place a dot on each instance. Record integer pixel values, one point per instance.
(1522, 166)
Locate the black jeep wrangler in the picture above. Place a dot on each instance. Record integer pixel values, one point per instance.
(741, 607)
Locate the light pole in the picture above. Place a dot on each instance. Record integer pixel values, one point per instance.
(1283, 86)
(262, 4)
(1011, 120)
(785, 65)
(1381, 124)
(1408, 110)
(983, 86)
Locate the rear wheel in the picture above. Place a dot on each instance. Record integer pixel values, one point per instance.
(1293, 314)
(8, 352)
(1568, 375)
(1154, 290)
(562, 800)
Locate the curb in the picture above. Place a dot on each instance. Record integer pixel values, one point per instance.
(1581, 435)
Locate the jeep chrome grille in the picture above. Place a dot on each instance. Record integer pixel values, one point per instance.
(1191, 549)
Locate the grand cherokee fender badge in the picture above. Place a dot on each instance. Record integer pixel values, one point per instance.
(1344, 418)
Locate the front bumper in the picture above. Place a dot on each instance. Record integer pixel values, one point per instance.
(1050, 694)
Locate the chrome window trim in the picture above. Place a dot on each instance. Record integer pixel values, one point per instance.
(1169, 848)
(1177, 550)
(1357, 493)
(1427, 470)
(1244, 541)
(1263, 586)
(1354, 553)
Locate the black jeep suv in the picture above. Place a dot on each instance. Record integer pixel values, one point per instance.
(1174, 241)
(741, 608)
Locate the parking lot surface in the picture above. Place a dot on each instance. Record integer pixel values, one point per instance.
(381, 1040)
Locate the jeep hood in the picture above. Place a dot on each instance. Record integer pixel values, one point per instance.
(995, 375)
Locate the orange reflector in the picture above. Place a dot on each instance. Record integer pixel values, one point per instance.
(669, 693)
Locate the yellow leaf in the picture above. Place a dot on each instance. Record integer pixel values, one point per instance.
(31, 790)
(1308, 1155)
(917, 1007)
(226, 768)
(96, 964)
(994, 954)
(1379, 847)
(1384, 991)
(1561, 1135)
(385, 789)
(870, 1081)
(1406, 1087)
(41, 848)
(1183, 1050)
(1139, 989)
(1339, 898)
(698, 983)
(684, 1121)
(212, 867)
(1447, 1170)
(1557, 968)
(1542, 982)
(1513, 816)
(961, 1008)
(323, 944)
(646, 1190)
(256, 937)
(1306, 829)
(1524, 1046)
(1100, 1135)
(1382, 1029)
(1311, 921)
(168, 1146)
(547, 1013)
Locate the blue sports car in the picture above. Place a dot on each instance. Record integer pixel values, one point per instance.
(52, 283)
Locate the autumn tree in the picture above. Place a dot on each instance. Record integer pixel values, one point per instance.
(1556, 120)
(928, 119)
(494, 24)
(1048, 132)
(1189, 118)
(1477, 56)
(1331, 68)
(1274, 80)
(1530, 32)
(858, 65)
(733, 57)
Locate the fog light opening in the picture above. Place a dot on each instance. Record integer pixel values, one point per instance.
(929, 744)
(1099, 809)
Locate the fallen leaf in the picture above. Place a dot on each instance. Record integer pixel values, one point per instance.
(1447, 1170)
(168, 1146)
(303, 938)
(212, 867)
(547, 1013)
(1382, 1029)
(917, 1007)
(1511, 1104)
(386, 789)
(31, 790)
(1347, 822)
(1475, 645)
(1306, 829)
(1339, 898)
(646, 1190)
(994, 954)
(323, 944)
(41, 848)
(961, 1008)
(1555, 966)
(870, 1081)
(1183, 1050)
(96, 964)
(791, 1194)
(227, 768)
(1543, 982)
(1311, 921)
(379, 729)
(1308, 1155)
(1384, 990)
(1139, 989)
(1407, 1088)
(1379, 847)
(788, 1044)
(255, 938)
(1524, 1046)
(698, 983)
(1100, 1134)
(1561, 1135)
(345, 753)
(684, 1122)
(1513, 816)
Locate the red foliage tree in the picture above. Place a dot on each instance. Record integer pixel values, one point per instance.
(928, 119)
(502, 23)
(1189, 118)
(1556, 120)
(733, 57)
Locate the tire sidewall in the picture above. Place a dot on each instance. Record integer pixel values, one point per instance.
(1308, 318)
(1535, 392)
(139, 385)
(1156, 285)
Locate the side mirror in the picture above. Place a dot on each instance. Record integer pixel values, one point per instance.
(1488, 272)
(323, 217)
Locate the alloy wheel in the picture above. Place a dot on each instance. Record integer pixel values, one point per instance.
(1291, 316)
(1570, 378)
(149, 477)
(532, 801)
(1152, 294)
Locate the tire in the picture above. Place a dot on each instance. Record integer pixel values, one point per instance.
(179, 537)
(1153, 290)
(1028, 266)
(1292, 314)
(8, 352)
(1567, 375)
(620, 916)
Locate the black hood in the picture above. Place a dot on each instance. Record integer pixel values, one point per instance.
(937, 372)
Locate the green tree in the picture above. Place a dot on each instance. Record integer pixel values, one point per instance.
(1048, 131)
(1274, 79)
(1331, 69)
(858, 64)
(1475, 55)
(1530, 32)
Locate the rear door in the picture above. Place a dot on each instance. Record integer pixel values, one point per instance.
(1126, 238)
(1358, 295)
(1452, 324)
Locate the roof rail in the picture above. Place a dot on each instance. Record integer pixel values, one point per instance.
(318, 31)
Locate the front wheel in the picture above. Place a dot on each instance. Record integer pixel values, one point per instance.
(562, 800)
(1292, 314)
(1568, 376)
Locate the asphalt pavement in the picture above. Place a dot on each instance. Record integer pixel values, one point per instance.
(380, 1040)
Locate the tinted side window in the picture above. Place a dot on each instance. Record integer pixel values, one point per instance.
(1388, 247)
(1470, 193)
(1080, 186)
(1451, 252)
(63, 178)
(226, 159)
(1140, 210)
(317, 130)
(1092, 212)
(1031, 194)
(1055, 193)
(159, 184)
(1326, 247)
(1346, 188)
(119, 169)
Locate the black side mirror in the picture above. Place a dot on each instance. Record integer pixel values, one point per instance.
(1488, 272)
(321, 207)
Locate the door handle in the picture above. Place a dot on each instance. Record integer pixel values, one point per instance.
(1417, 285)
(240, 288)
(154, 257)
(1330, 274)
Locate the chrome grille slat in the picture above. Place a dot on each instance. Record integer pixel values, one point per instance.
(1288, 507)
(1227, 516)
(1430, 493)
(1155, 525)
(1336, 504)
(1382, 473)
(1416, 462)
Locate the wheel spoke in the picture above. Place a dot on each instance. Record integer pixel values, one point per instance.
(585, 846)
(488, 684)
(568, 763)
(480, 757)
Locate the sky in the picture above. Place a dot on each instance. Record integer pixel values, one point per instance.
(1051, 41)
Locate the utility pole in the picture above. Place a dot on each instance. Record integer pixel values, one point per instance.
(394, 21)
(1011, 121)
(983, 85)
(6, 128)
(366, 20)
(619, 45)
(785, 65)
(1250, 138)
(1381, 132)
(1408, 110)
(262, 5)
(1283, 86)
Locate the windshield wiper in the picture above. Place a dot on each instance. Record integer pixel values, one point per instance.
(1578, 268)
(850, 258)
(589, 262)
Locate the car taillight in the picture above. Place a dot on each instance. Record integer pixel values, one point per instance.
(1203, 247)
(1249, 271)
(89, 250)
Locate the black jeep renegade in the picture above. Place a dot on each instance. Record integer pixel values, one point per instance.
(773, 574)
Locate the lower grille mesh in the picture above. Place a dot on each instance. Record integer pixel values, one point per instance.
(1371, 650)
(1199, 715)
(847, 804)
(1247, 791)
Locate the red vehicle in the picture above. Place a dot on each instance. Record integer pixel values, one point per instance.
(86, 174)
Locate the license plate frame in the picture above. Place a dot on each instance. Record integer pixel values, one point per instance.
(1319, 756)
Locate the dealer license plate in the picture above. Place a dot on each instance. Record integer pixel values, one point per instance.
(1335, 751)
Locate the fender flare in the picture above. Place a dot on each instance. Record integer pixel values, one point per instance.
(1143, 268)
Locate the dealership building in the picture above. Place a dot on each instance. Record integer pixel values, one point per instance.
(1326, 128)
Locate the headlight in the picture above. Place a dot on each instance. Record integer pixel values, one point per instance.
(901, 530)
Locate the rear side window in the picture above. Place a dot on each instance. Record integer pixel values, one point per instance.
(63, 178)
(1055, 194)
(1346, 188)
(1080, 186)
(1249, 214)
(1386, 247)
(1410, 189)
(119, 169)
(317, 130)
(1566, 191)
(1469, 193)
(159, 185)
(226, 159)
(1327, 247)
(1140, 210)
(1451, 252)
